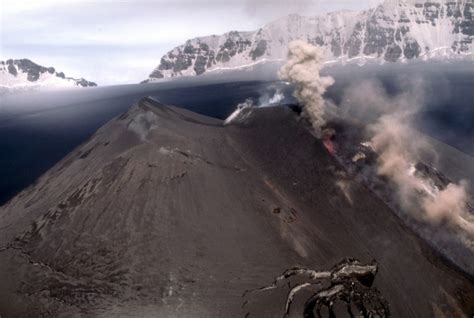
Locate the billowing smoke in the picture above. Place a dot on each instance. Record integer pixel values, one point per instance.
(450, 205)
(303, 69)
(399, 148)
(399, 162)
(390, 130)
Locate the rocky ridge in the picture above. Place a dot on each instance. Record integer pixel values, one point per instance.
(394, 31)
(24, 73)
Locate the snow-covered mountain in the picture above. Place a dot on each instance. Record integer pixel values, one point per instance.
(396, 30)
(24, 74)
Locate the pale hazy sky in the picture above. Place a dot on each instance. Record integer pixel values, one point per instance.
(117, 41)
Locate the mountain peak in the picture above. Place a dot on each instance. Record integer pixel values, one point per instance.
(24, 73)
(394, 31)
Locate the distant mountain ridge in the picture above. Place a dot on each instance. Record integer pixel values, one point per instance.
(23, 73)
(396, 30)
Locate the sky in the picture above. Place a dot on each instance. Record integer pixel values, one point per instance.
(122, 41)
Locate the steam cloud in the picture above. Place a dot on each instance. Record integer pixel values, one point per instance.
(303, 69)
(271, 99)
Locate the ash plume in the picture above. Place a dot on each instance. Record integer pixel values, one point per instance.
(450, 205)
(389, 128)
(385, 123)
(399, 149)
(302, 68)
(399, 163)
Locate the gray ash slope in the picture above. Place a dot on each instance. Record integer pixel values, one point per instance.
(167, 213)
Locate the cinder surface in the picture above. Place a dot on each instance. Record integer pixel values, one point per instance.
(166, 213)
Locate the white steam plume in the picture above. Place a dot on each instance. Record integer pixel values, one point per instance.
(270, 99)
(302, 68)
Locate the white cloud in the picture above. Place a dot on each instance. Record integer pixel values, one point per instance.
(97, 34)
(15, 7)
